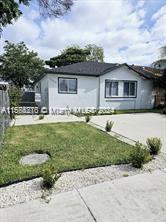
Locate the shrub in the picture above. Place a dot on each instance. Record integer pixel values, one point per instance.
(50, 176)
(154, 145)
(140, 155)
(87, 118)
(14, 98)
(109, 126)
(164, 111)
(41, 116)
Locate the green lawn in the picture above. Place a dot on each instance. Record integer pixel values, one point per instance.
(70, 145)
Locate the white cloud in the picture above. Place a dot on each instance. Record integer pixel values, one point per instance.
(117, 26)
(22, 30)
(159, 13)
(140, 3)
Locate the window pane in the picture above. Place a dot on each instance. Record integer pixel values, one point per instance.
(67, 85)
(132, 89)
(126, 89)
(111, 89)
(114, 88)
(108, 89)
(72, 85)
(63, 85)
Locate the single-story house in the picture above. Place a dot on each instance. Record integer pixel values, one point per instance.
(97, 85)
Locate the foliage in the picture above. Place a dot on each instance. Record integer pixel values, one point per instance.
(20, 66)
(164, 111)
(76, 54)
(140, 155)
(71, 146)
(14, 98)
(96, 53)
(54, 8)
(154, 145)
(109, 126)
(161, 80)
(50, 176)
(41, 116)
(10, 9)
(69, 56)
(87, 118)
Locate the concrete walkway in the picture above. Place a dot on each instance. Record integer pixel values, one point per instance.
(137, 127)
(132, 199)
(31, 120)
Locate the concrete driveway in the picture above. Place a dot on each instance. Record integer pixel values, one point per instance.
(131, 199)
(137, 127)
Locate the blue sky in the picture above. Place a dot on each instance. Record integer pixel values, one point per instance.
(129, 30)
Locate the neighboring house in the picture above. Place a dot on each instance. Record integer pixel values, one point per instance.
(160, 63)
(97, 85)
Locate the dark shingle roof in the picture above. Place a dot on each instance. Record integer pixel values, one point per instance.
(90, 68)
(145, 71)
(84, 68)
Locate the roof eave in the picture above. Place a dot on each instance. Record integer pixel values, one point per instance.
(142, 75)
(71, 73)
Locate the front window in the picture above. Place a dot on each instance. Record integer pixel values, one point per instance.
(129, 89)
(111, 88)
(67, 85)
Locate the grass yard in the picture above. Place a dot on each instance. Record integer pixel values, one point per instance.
(70, 145)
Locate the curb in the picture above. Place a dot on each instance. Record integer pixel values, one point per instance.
(114, 134)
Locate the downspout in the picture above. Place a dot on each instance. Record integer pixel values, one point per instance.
(98, 99)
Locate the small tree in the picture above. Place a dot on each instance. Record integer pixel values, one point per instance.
(20, 65)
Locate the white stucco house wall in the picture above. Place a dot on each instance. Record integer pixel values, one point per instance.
(96, 85)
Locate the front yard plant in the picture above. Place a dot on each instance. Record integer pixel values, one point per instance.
(50, 176)
(109, 126)
(140, 155)
(41, 116)
(70, 146)
(154, 145)
(164, 111)
(87, 118)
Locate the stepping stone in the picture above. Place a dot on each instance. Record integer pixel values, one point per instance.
(34, 159)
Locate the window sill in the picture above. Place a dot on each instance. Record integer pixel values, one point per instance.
(67, 93)
(120, 99)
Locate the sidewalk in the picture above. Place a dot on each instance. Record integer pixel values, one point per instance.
(131, 199)
(30, 119)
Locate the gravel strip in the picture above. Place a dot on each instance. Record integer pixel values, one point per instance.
(29, 190)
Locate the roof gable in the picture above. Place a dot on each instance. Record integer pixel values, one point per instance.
(95, 69)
